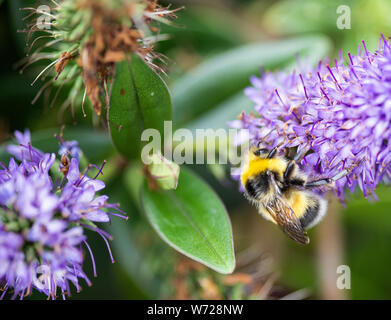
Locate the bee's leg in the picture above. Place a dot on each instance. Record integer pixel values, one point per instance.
(289, 175)
(340, 175)
(346, 171)
(318, 183)
(290, 168)
(300, 155)
(273, 151)
(322, 182)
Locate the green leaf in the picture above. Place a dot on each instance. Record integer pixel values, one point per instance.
(139, 100)
(192, 220)
(222, 76)
(314, 16)
(219, 116)
(163, 171)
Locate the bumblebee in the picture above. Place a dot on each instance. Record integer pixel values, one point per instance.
(282, 192)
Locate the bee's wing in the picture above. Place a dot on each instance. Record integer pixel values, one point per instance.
(284, 216)
(287, 220)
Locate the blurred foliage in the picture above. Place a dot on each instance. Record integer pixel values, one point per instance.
(213, 48)
(368, 20)
(220, 77)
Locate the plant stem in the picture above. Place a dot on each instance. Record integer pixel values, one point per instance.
(330, 252)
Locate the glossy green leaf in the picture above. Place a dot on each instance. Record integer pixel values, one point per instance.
(193, 220)
(139, 100)
(222, 76)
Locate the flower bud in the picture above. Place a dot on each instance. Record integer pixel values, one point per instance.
(163, 171)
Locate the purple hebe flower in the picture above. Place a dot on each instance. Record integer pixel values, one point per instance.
(69, 148)
(42, 225)
(342, 114)
(78, 197)
(24, 151)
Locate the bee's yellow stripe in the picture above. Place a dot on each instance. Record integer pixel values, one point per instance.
(258, 165)
(299, 203)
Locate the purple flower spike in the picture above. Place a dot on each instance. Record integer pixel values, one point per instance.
(342, 114)
(42, 225)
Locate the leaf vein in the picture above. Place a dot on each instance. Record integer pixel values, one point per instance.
(186, 215)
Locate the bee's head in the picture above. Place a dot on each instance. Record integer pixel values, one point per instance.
(259, 152)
